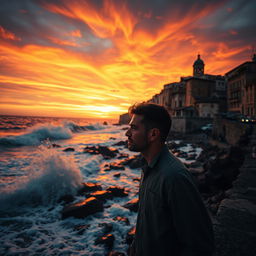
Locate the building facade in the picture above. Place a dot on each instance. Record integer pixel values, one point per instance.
(241, 83)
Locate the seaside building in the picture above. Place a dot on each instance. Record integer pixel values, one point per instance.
(241, 83)
(200, 95)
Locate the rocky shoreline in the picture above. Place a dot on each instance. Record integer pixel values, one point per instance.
(225, 176)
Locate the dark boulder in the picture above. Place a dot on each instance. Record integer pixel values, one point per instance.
(134, 162)
(172, 145)
(113, 166)
(191, 157)
(54, 145)
(117, 175)
(106, 152)
(82, 209)
(122, 155)
(69, 150)
(222, 169)
(102, 195)
(122, 219)
(88, 187)
(129, 239)
(106, 240)
(121, 143)
(117, 191)
(130, 235)
(132, 205)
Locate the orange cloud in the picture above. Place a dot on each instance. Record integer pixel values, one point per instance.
(63, 42)
(113, 58)
(76, 33)
(8, 35)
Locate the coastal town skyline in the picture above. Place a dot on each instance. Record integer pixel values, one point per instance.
(94, 59)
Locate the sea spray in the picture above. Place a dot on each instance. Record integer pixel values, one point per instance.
(37, 134)
(51, 176)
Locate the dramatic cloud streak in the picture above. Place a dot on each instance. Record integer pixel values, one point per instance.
(95, 58)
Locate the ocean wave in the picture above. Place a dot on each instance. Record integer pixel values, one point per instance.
(79, 128)
(51, 176)
(36, 135)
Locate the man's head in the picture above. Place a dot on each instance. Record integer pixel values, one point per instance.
(150, 123)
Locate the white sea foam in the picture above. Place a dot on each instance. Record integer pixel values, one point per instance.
(51, 176)
(40, 132)
(78, 128)
(36, 134)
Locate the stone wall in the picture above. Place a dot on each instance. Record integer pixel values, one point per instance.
(188, 124)
(232, 132)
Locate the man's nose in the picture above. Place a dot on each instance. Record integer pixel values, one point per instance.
(127, 133)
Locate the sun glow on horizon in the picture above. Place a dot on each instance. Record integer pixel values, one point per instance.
(84, 59)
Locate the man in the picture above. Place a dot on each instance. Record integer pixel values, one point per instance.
(172, 219)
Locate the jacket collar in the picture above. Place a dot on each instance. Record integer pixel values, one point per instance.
(147, 167)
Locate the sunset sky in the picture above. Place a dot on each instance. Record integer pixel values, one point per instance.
(95, 58)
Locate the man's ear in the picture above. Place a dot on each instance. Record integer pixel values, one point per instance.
(154, 134)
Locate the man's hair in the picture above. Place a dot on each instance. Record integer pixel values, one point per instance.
(154, 116)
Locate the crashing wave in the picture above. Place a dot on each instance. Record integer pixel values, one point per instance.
(51, 176)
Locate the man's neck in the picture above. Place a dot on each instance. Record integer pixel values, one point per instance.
(151, 152)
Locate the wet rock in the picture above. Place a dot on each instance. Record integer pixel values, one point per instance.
(223, 168)
(117, 175)
(182, 154)
(113, 166)
(102, 195)
(123, 155)
(134, 162)
(106, 152)
(82, 209)
(132, 205)
(106, 240)
(129, 239)
(88, 187)
(112, 138)
(55, 145)
(136, 179)
(130, 235)
(176, 151)
(117, 191)
(121, 143)
(172, 145)
(122, 219)
(105, 123)
(69, 150)
(191, 157)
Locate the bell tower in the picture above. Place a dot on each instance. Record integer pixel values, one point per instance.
(198, 67)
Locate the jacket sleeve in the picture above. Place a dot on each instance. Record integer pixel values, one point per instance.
(190, 217)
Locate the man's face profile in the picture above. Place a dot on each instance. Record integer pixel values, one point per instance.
(137, 134)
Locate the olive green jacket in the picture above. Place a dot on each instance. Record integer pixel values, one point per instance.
(172, 219)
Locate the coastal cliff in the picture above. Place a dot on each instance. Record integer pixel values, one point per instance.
(235, 225)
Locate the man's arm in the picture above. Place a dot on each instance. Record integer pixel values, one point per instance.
(190, 217)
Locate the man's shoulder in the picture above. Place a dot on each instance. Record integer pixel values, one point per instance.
(170, 164)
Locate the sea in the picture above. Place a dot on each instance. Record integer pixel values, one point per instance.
(34, 175)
